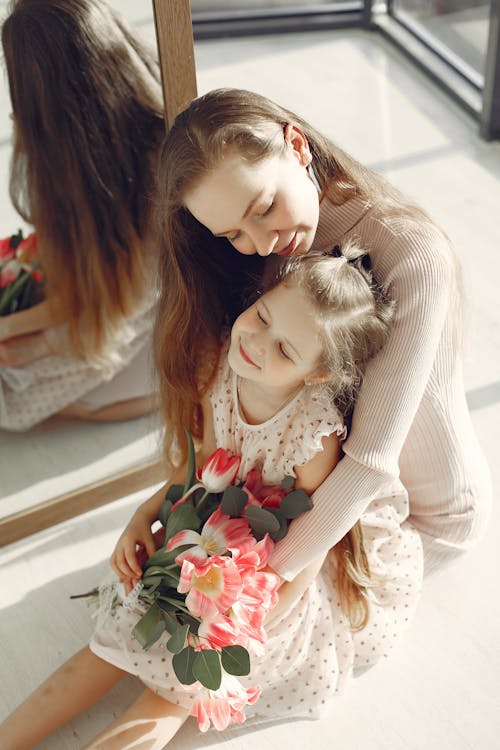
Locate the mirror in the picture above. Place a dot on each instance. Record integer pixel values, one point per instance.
(64, 467)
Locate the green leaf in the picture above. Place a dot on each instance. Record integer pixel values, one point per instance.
(161, 559)
(171, 623)
(191, 465)
(233, 501)
(193, 622)
(150, 627)
(295, 503)
(166, 507)
(183, 517)
(176, 643)
(261, 520)
(183, 665)
(236, 660)
(287, 482)
(283, 529)
(206, 668)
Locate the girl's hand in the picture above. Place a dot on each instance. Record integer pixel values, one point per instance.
(133, 548)
(21, 350)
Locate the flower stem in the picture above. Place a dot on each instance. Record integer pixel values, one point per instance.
(202, 501)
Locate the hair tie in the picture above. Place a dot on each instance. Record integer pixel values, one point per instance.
(361, 260)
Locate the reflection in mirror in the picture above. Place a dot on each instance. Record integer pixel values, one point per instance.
(64, 458)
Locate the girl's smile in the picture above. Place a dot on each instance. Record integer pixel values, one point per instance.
(275, 342)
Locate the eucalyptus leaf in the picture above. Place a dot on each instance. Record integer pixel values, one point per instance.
(193, 622)
(283, 529)
(166, 507)
(191, 464)
(171, 623)
(236, 660)
(206, 668)
(151, 582)
(233, 501)
(182, 518)
(176, 643)
(183, 665)
(261, 520)
(295, 503)
(150, 627)
(160, 558)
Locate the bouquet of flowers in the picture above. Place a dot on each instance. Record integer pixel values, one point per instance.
(207, 585)
(21, 277)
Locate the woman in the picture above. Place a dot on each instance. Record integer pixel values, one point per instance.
(237, 169)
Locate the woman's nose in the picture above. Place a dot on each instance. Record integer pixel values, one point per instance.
(265, 240)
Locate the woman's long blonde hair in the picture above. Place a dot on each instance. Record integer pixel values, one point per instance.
(353, 314)
(88, 123)
(203, 278)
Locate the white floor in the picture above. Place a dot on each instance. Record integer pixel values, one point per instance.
(439, 691)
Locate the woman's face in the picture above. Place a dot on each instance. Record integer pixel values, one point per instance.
(271, 206)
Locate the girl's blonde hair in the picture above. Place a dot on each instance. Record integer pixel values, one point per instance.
(353, 313)
(88, 122)
(202, 277)
(354, 316)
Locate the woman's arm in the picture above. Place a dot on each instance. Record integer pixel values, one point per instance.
(421, 273)
(309, 478)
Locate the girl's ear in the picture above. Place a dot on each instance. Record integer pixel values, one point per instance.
(295, 138)
(319, 377)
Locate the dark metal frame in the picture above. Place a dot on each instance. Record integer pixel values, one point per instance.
(480, 98)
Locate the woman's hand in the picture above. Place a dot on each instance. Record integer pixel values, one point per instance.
(291, 591)
(22, 350)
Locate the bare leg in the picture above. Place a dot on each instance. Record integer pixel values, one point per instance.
(149, 724)
(73, 688)
(121, 410)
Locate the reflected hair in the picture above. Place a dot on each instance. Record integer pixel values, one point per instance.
(88, 121)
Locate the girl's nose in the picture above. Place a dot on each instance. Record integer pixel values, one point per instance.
(256, 344)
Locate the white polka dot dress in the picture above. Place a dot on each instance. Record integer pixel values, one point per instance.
(311, 652)
(33, 392)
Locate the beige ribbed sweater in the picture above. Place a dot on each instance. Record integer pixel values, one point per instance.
(411, 417)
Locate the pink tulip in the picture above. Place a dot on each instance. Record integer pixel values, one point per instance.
(213, 586)
(218, 533)
(223, 706)
(219, 470)
(9, 273)
(27, 250)
(219, 631)
(6, 251)
(251, 554)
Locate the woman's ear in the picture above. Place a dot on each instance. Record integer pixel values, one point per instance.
(295, 138)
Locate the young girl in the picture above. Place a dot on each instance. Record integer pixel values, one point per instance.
(87, 114)
(242, 178)
(299, 348)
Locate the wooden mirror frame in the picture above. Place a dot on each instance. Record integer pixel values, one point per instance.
(174, 35)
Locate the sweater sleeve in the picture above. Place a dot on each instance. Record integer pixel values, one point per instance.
(419, 269)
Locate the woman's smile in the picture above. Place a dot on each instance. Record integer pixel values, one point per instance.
(288, 250)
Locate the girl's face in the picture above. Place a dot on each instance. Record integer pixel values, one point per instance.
(271, 206)
(276, 341)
